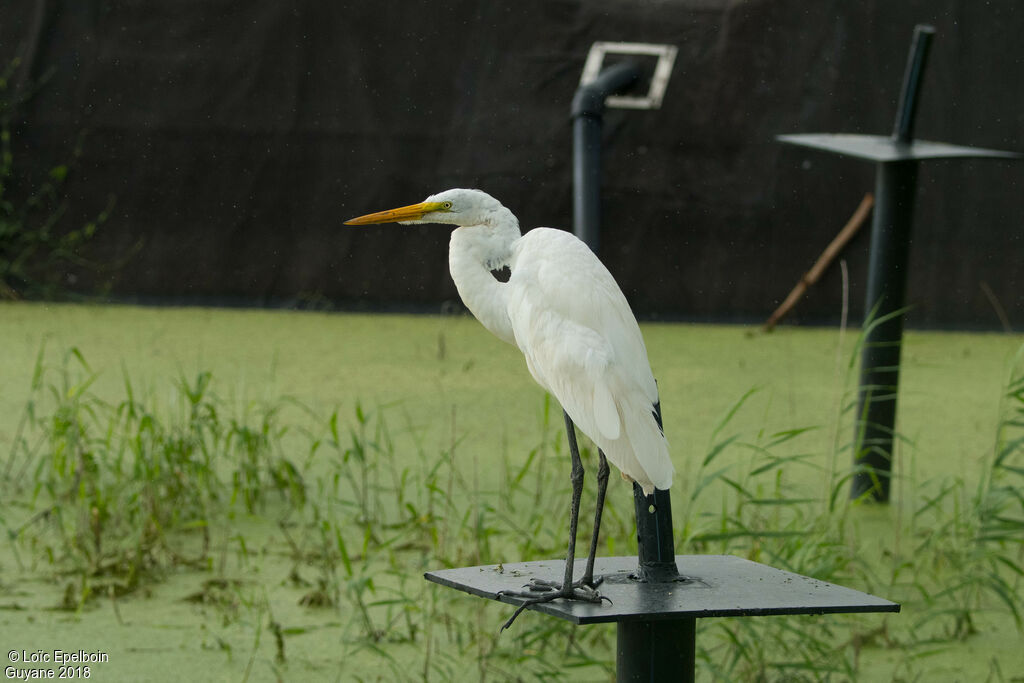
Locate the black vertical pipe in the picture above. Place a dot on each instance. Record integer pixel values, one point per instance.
(880, 358)
(586, 176)
(587, 114)
(656, 548)
(895, 185)
(913, 75)
(663, 650)
(653, 651)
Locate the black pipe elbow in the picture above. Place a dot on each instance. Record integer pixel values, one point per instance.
(589, 98)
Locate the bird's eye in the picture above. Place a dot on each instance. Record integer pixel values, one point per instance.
(446, 205)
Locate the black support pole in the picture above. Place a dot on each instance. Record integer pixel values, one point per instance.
(651, 651)
(587, 117)
(656, 548)
(913, 76)
(662, 650)
(656, 650)
(648, 650)
(896, 159)
(883, 329)
(895, 186)
(586, 172)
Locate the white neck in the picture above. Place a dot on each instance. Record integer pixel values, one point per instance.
(474, 251)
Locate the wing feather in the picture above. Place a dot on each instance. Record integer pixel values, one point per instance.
(606, 413)
(583, 345)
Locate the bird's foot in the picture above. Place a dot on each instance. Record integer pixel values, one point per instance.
(544, 586)
(539, 591)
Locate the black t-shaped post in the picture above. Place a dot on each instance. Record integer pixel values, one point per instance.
(897, 159)
(895, 186)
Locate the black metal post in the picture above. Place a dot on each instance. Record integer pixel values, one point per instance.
(913, 76)
(656, 548)
(656, 650)
(587, 116)
(895, 185)
(647, 650)
(896, 158)
(586, 174)
(663, 650)
(875, 421)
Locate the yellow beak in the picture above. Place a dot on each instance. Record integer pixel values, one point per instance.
(413, 212)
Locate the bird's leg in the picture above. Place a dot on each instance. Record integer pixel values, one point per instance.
(576, 477)
(588, 575)
(550, 590)
(602, 487)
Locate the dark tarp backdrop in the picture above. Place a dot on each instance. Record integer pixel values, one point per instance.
(237, 135)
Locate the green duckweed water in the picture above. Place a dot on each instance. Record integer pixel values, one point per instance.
(442, 381)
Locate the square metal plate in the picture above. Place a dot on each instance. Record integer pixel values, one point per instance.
(884, 149)
(717, 586)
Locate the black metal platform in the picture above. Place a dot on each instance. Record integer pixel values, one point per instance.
(715, 586)
(882, 148)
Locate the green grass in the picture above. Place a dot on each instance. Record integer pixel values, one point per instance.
(251, 495)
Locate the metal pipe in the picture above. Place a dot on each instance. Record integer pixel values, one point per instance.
(655, 545)
(663, 650)
(650, 651)
(587, 115)
(646, 650)
(895, 185)
(875, 421)
(903, 129)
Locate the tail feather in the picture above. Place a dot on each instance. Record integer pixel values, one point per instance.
(647, 461)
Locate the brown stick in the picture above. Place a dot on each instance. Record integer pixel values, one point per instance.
(831, 251)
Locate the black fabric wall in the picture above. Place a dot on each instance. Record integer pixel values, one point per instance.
(237, 135)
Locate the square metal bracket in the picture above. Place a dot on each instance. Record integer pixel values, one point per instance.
(666, 55)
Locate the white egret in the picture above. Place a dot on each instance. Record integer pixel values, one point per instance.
(564, 311)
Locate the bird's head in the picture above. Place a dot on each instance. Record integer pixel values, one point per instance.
(454, 207)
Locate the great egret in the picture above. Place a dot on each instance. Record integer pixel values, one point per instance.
(561, 308)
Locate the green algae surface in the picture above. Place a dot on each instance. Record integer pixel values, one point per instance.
(270, 601)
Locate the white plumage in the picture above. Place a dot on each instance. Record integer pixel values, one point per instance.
(583, 345)
(565, 312)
